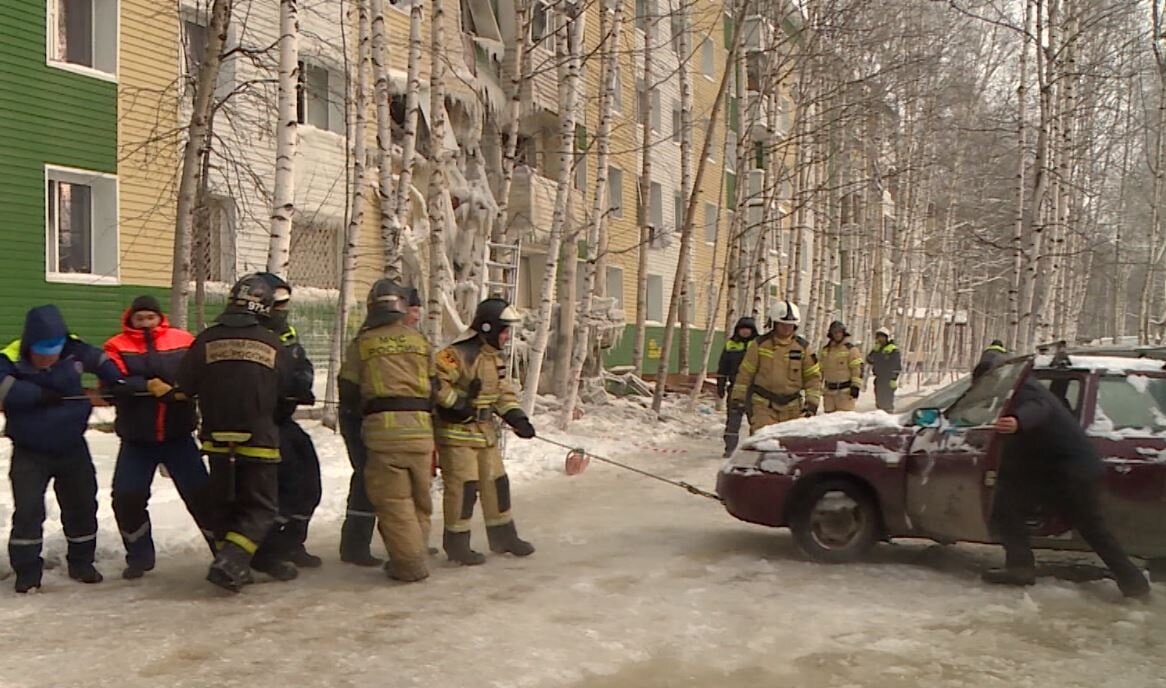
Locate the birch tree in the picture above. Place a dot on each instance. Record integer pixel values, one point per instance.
(408, 143)
(390, 226)
(438, 199)
(567, 55)
(359, 107)
(194, 151)
(283, 206)
(585, 325)
(645, 194)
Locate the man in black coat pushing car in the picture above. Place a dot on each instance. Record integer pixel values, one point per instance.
(1048, 459)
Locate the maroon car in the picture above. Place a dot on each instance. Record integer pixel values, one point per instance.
(844, 481)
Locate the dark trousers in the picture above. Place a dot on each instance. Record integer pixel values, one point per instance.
(1018, 495)
(884, 395)
(75, 484)
(299, 492)
(132, 478)
(245, 514)
(360, 519)
(732, 428)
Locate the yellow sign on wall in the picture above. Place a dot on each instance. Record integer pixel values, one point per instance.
(653, 350)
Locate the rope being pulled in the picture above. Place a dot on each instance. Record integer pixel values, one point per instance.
(692, 489)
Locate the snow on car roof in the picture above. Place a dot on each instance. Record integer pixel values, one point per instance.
(829, 425)
(1114, 364)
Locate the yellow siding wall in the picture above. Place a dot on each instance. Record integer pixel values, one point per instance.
(148, 140)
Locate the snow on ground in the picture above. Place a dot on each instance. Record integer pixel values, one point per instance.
(635, 584)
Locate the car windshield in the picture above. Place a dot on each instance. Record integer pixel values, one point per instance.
(986, 397)
(945, 397)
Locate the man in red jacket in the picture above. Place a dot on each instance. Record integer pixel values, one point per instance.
(154, 427)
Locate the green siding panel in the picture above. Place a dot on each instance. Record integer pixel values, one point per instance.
(621, 354)
(56, 117)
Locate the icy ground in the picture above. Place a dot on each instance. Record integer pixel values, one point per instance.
(635, 584)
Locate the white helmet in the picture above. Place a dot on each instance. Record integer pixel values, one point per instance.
(883, 331)
(785, 312)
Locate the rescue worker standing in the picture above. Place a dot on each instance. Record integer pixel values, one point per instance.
(994, 352)
(1048, 459)
(780, 378)
(46, 414)
(360, 518)
(154, 428)
(841, 370)
(240, 371)
(886, 363)
(744, 332)
(388, 377)
(473, 371)
(299, 465)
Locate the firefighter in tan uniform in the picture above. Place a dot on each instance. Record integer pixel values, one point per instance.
(387, 378)
(841, 364)
(473, 370)
(780, 378)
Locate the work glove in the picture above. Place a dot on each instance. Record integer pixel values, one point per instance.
(49, 397)
(473, 388)
(462, 411)
(854, 391)
(521, 424)
(894, 384)
(158, 387)
(809, 410)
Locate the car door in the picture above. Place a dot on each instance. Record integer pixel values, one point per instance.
(947, 466)
(1071, 388)
(1128, 427)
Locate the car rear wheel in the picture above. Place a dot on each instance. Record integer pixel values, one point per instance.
(835, 522)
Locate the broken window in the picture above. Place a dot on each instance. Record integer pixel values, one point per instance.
(580, 157)
(678, 208)
(710, 223)
(617, 93)
(194, 47)
(656, 116)
(677, 121)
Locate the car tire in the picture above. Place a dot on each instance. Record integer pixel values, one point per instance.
(836, 521)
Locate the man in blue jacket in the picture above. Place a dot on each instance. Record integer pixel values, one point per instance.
(47, 412)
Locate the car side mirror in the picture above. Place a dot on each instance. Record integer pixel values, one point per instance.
(927, 418)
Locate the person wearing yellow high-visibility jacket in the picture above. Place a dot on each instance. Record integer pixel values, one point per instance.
(780, 378)
(730, 362)
(388, 378)
(841, 370)
(474, 371)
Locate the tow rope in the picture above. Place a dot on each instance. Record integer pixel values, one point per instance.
(578, 458)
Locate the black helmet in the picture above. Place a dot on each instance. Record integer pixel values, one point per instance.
(387, 303)
(249, 302)
(492, 316)
(280, 288)
(837, 325)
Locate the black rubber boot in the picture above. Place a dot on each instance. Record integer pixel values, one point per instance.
(85, 573)
(134, 572)
(304, 560)
(279, 570)
(1007, 576)
(504, 538)
(27, 581)
(457, 548)
(229, 570)
(362, 559)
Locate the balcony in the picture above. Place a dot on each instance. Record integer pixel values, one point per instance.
(532, 205)
(757, 115)
(757, 33)
(540, 93)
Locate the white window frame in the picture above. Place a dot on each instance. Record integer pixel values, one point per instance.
(100, 10)
(547, 41)
(677, 121)
(619, 300)
(113, 211)
(329, 105)
(402, 6)
(648, 299)
(710, 207)
(615, 191)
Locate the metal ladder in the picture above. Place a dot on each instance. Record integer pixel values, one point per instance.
(502, 266)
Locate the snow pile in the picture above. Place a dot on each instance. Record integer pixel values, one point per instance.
(843, 423)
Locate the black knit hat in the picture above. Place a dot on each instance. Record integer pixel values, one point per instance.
(146, 303)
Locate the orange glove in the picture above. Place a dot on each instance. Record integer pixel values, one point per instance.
(158, 387)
